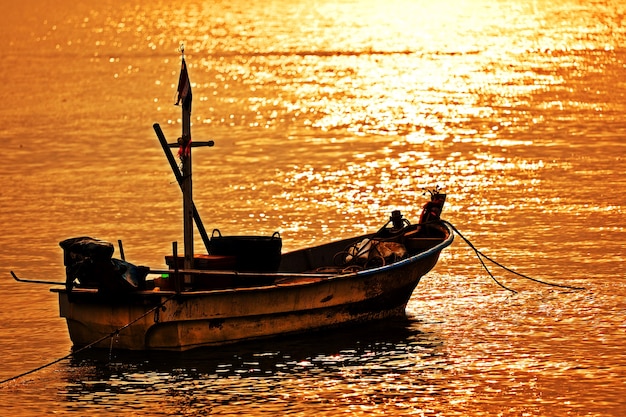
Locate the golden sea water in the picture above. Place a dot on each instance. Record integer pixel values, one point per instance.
(327, 116)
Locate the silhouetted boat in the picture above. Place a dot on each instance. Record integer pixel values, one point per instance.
(308, 291)
(244, 288)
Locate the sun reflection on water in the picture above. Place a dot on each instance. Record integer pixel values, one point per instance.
(327, 115)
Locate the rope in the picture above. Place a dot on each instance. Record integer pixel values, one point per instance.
(478, 253)
(481, 255)
(92, 344)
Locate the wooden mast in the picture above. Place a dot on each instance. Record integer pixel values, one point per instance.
(184, 94)
(184, 175)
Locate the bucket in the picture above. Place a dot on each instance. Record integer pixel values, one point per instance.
(252, 253)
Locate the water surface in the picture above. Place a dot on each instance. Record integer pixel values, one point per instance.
(327, 117)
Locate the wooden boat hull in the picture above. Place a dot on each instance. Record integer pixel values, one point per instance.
(294, 303)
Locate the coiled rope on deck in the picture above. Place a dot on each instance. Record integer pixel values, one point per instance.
(481, 255)
(92, 344)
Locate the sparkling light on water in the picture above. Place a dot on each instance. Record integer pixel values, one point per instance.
(326, 116)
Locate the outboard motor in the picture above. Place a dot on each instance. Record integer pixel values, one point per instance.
(89, 262)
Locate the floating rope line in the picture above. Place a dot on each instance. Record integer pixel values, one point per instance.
(92, 344)
(481, 255)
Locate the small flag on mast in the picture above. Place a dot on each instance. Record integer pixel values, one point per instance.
(184, 88)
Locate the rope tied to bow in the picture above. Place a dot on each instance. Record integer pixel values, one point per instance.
(482, 256)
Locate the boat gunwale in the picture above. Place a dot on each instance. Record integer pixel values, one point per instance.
(315, 278)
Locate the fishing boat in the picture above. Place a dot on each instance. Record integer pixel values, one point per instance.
(243, 288)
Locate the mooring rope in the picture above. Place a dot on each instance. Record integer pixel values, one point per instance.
(481, 255)
(90, 345)
(116, 332)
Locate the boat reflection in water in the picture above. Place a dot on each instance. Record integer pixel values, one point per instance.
(274, 374)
